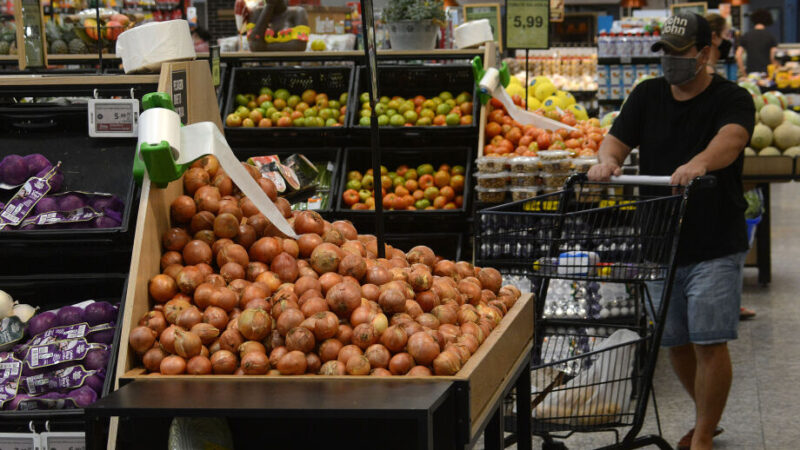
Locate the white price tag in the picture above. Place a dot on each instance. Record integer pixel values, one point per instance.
(113, 117)
(63, 441)
(19, 441)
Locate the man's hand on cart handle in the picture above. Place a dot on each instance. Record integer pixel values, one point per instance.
(603, 171)
(687, 172)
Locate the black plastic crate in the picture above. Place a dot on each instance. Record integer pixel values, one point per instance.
(48, 292)
(409, 81)
(446, 245)
(413, 221)
(315, 155)
(88, 164)
(330, 80)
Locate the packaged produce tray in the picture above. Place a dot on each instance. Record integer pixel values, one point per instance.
(479, 380)
(409, 81)
(88, 164)
(315, 155)
(47, 292)
(330, 80)
(360, 159)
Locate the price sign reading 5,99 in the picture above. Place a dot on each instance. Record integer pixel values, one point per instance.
(528, 24)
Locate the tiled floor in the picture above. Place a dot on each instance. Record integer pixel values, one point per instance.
(764, 403)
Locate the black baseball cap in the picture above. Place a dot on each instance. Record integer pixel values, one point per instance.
(682, 31)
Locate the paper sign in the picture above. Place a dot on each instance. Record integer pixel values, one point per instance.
(528, 24)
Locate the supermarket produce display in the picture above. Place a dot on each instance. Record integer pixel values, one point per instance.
(441, 110)
(777, 129)
(245, 301)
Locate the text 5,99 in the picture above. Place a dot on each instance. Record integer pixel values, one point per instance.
(528, 22)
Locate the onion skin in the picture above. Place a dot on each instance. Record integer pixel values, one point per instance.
(152, 359)
(357, 365)
(329, 350)
(187, 344)
(343, 298)
(378, 356)
(300, 339)
(419, 371)
(380, 372)
(401, 363)
(167, 338)
(446, 363)
(423, 348)
(142, 339)
(198, 365)
(162, 288)
(255, 363)
(254, 324)
(333, 368)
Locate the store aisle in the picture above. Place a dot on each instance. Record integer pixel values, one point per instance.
(764, 403)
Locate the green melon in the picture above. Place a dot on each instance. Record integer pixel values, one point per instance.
(791, 117)
(762, 137)
(786, 135)
(749, 152)
(792, 151)
(758, 101)
(769, 151)
(771, 115)
(751, 87)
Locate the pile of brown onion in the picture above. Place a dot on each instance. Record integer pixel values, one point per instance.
(236, 298)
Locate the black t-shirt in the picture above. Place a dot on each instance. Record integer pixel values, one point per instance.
(669, 133)
(757, 44)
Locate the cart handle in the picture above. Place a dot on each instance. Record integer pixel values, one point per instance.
(706, 181)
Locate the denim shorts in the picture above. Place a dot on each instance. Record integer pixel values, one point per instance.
(704, 304)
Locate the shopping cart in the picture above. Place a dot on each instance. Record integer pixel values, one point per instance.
(592, 250)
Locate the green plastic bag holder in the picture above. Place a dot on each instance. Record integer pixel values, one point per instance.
(478, 71)
(157, 159)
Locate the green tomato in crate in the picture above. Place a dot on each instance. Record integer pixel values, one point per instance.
(397, 120)
(383, 120)
(411, 174)
(437, 101)
(241, 100)
(391, 112)
(410, 116)
(293, 101)
(450, 102)
(452, 120)
(364, 97)
(443, 109)
(457, 170)
(365, 113)
(310, 112)
(393, 104)
(422, 203)
(424, 169)
(267, 105)
(243, 112)
(424, 122)
(366, 106)
(398, 181)
(354, 184)
(334, 104)
(266, 91)
(299, 122)
(446, 95)
(364, 121)
(427, 113)
(463, 98)
(367, 182)
(354, 175)
(343, 98)
(325, 114)
(270, 111)
(385, 100)
(282, 94)
(407, 106)
(429, 104)
(380, 108)
(364, 194)
(330, 122)
(275, 117)
(319, 121)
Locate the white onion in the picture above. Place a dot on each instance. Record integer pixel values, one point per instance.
(6, 305)
(24, 312)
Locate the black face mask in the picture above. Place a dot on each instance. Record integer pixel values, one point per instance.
(724, 48)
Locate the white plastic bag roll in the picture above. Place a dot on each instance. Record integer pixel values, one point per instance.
(147, 46)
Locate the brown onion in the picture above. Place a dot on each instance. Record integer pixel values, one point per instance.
(230, 340)
(378, 276)
(392, 301)
(301, 339)
(215, 316)
(167, 338)
(357, 365)
(326, 258)
(353, 265)
(207, 332)
(446, 363)
(255, 363)
(348, 351)
(265, 249)
(445, 315)
(254, 269)
(196, 252)
(343, 298)
(394, 338)
(422, 255)
(370, 292)
(155, 321)
(189, 317)
(174, 307)
(329, 349)
(182, 209)
(473, 329)
(470, 341)
(326, 325)
(172, 365)
(152, 359)
(413, 309)
(170, 258)
(401, 363)
(333, 368)
(428, 320)
(378, 356)
(422, 348)
(285, 266)
(364, 335)
(380, 372)
(354, 247)
(142, 339)
(198, 365)
(419, 371)
(187, 344)
(290, 246)
(345, 334)
(307, 243)
(270, 279)
(293, 363)
(276, 354)
(427, 300)
(328, 280)
(465, 269)
(203, 220)
(288, 319)
(254, 324)
(162, 288)
(309, 222)
(313, 363)
(233, 253)
(224, 362)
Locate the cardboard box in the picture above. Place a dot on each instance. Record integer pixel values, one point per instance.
(323, 19)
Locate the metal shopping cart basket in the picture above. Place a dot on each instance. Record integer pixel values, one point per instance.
(592, 250)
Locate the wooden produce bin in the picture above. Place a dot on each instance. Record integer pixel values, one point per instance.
(479, 384)
(768, 166)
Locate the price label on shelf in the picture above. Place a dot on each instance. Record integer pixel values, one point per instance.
(113, 117)
(528, 24)
(63, 441)
(19, 441)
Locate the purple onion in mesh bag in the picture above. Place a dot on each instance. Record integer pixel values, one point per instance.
(95, 382)
(2, 205)
(83, 396)
(42, 322)
(105, 222)
(69, 315)
(46, 204)
(102, 337)
(13, 404)
(13, 170)
(96, 359)
(56, 181)
(36, 162)
(30, 226)
(70, 202)
(101, 203)
(99, 312)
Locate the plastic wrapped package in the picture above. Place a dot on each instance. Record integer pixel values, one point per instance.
(554, 180)
(523, 179)
(523, 192)
(490, 195)
(582, 165)
(491, 164)
(528, 164)
(556, 166)
(492, 180)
